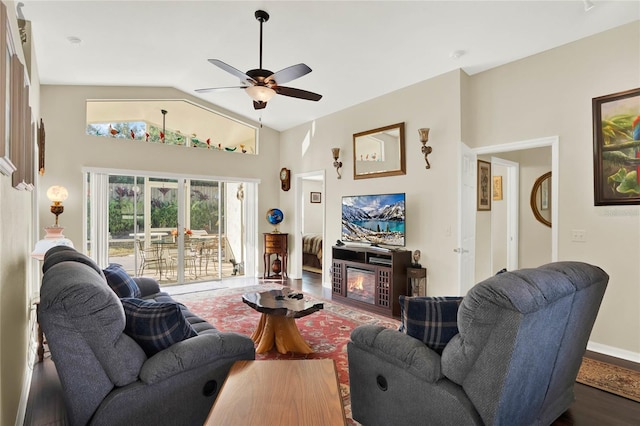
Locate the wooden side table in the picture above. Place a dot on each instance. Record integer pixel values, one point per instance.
(275, 244)
(416, 281)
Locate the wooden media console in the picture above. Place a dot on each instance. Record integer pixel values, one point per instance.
(369, 278)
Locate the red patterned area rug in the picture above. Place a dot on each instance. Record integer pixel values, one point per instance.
(327, 331)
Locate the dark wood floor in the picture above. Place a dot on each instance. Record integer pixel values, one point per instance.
(591, 407)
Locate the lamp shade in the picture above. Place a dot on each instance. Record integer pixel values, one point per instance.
(424, 134)
(57, 194)
(260, 93)
(52, 239)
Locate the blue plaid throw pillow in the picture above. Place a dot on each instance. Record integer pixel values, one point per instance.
(121, 282)
(155, 325)
(433, 320)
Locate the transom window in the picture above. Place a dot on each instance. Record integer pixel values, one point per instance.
(170, 122)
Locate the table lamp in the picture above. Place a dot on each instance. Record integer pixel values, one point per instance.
(53, 236)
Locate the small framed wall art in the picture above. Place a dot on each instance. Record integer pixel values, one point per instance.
(497, 188)
(484, 186)
(316, 197)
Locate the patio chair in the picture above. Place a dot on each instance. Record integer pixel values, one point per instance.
(208, 252)
(151, 257)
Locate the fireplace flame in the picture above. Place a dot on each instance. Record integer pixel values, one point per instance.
(356, 285)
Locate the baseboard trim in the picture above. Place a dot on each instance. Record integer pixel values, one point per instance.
(615, 352)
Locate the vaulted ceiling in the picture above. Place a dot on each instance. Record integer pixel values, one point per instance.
(358, 50)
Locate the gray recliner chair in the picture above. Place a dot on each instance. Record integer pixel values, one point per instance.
(522, 336)
(106, 376)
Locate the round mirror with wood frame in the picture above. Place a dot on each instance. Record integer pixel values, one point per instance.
(541, 199)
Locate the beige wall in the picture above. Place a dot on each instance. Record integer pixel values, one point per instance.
(534, 237)
(543, 95)
(431, 195)
(69, 149)
(15, 246)
(18, 272)
(550, 94)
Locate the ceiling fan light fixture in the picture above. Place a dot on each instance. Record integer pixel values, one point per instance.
(260, 93)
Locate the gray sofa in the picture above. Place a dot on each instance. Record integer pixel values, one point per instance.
(106, 377)
(520, 344)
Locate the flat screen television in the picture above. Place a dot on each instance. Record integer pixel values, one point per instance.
(374, 219)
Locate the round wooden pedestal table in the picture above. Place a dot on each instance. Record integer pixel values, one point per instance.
(277, 326)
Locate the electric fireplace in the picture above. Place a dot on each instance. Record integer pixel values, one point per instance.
(361, 284)
(369, 278)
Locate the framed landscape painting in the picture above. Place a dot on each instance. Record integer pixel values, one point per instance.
(616, 148)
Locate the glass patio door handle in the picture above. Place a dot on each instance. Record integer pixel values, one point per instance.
(460, 250)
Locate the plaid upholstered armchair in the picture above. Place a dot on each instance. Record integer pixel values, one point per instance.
(514, 360)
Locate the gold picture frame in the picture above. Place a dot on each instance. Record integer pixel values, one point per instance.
(497, 188)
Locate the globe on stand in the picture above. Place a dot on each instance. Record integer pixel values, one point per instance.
(274, 217)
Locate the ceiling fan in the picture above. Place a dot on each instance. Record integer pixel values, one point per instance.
(261, 84)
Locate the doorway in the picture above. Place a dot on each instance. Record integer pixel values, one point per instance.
(309, 252)
(467, 213)
(176, 229)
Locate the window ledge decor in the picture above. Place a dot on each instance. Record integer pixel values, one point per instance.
(170, 122)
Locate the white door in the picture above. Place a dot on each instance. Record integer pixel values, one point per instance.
(467, 220)
(511, 191)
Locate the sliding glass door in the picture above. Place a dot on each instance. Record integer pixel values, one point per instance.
(175, 229)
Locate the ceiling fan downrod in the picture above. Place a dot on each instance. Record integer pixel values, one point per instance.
(262, 17)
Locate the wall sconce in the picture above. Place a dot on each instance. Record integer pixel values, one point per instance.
(337, 164)
(57, 194)
(426, 150)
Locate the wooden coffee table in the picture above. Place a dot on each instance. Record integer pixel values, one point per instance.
(277, 324)
(280, 393)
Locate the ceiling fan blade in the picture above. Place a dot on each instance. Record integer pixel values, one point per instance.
(297, 93)
(290, 73)
(259, 105)
(219, 89)
(231, 70)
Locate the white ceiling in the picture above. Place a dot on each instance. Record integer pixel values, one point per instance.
(358, 50)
